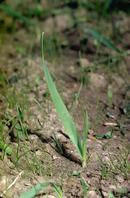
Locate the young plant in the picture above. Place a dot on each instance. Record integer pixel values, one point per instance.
(110, 195)
(6, 149)
(35, 190)
(85, 186)
(103, 40)
(84, 139)
(57, 189)
(65, 116)
(15, 14)
(20, 126)
(58, 145)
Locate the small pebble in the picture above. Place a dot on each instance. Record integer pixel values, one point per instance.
(93, 194)
(3, 183)
(119, 178)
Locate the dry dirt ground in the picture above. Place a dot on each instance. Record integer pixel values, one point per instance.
(35, 158)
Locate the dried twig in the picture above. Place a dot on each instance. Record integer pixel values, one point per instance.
(13, 183)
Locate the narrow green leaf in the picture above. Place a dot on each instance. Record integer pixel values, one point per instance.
(85, 186)
(85, 137)
(75, 173)
(102, 39)
(122, 191)
(34, 190)
(61, 109)
(57, 189)
(107, 135)
(15, 14)
(20, 113)
(4, 147)
(110, 195)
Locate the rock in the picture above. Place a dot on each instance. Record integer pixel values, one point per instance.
(61, 137)
(34, 138)
(112, 187)
(3, 184)
(105, 194)
(92, 194)
(58, 24)
(84, 62)
(119, 178)
(39, 153)
(97, 80)
(63, 22)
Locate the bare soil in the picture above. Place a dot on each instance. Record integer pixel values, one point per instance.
(22, 82)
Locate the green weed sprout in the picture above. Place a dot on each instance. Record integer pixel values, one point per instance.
(57, 189)
(40, 187)
(34, 190)
(65, 116)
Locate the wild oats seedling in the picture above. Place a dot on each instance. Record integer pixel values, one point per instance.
(34, 190)
(42, 186)
(5, 148)
(110, 195)
(76, 99)
(58, 145)
(57, 189)
(85, 186)
(13, 13)
(65, 116)
(102, 39)
(3, 145)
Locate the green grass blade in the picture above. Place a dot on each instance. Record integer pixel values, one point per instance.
(85, 186)
(61, 109)
(110, 195)
(34, 190)
(85, 137)
(15, 14)
(5, 148)
(102, 39)
(57, 189)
